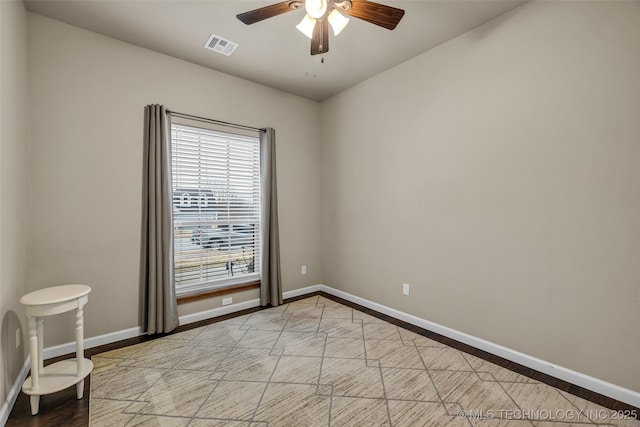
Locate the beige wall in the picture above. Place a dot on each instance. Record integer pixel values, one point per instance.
(498, 174)
(87, 94)
(13, 187)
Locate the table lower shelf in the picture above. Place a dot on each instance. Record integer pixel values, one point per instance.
(58, 376)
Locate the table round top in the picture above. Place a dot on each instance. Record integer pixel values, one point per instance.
(55, 294)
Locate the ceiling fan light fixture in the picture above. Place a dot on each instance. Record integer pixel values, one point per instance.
(316, 8)
(306, 26)
(338, 21)
(322, 13)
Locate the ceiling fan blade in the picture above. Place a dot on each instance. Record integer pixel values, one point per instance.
(320, 40)
(262, 13)
(379, 14)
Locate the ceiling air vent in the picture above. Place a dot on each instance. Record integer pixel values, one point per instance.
(220, 45)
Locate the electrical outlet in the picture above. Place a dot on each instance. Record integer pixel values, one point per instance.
(227, 301)
(303, 270)
(18, 338)
(405, 289)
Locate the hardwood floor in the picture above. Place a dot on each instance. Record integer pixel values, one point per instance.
(63, 409)
(57, 409)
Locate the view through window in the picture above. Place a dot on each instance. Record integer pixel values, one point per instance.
(216, 208)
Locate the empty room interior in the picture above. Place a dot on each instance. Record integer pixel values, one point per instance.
(399, 213)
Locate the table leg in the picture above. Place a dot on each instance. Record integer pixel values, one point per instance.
(80, 389)
(33, 350)
(39, 325)
(35, 403)
(79, 350)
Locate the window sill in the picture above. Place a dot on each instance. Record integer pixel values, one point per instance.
(220, 291)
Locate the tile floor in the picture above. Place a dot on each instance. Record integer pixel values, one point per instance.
(315, 362)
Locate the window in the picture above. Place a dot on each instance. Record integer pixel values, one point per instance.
(216, 208)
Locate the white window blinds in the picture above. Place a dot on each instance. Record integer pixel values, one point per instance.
(216, 208)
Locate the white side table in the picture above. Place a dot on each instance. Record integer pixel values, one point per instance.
(63, 374)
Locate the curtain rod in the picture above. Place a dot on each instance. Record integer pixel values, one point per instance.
(206, 120)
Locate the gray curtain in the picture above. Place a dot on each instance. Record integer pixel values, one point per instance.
(271, 284)
(159, 298)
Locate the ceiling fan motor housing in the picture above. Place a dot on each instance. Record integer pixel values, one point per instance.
(342, 5)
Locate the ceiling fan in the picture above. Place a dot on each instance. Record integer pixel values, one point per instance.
(321, 13)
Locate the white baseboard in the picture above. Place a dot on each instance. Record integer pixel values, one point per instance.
(109, 338)
(7, 406)
(218, 311)
(607, 389)
(303, 291)
(594, 384)
(112, 337)
(232, 308)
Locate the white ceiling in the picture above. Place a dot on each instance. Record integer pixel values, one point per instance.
(273, 52)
